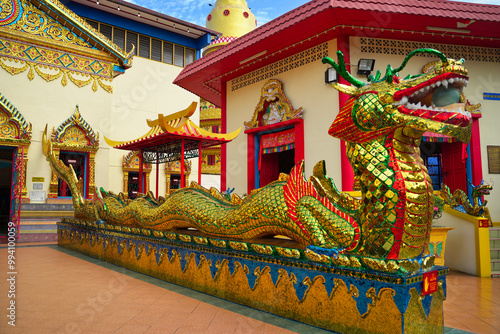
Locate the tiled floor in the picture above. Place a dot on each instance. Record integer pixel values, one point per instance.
(59, 291)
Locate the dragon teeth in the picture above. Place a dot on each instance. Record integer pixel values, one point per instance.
(425, 90)
(419, 105)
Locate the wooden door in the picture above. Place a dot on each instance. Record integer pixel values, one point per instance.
(453, 168)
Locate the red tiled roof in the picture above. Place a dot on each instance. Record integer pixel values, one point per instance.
(305, 26)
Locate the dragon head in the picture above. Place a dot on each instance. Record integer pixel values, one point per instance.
(433, 101)
(481, 189)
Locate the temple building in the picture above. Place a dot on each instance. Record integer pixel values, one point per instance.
(108, 83)
(272, 81)
(233, 19)
(86, 69)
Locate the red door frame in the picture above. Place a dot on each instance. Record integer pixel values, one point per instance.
(253, 151)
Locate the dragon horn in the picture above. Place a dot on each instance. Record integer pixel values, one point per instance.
(417, 51)
(342, 70)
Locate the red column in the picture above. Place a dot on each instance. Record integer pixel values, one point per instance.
(182, 163)
(199, 163)
(223, 149)
(157, 174)
(347, 172)
(250, 162)
(141, 161)
(475, 151)
(299, 141)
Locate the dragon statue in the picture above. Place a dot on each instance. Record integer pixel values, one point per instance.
(460, 201)
(382, 123)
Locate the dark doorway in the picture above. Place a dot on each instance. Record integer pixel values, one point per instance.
(446, 164)
(431, 154)
(6, 162)
(175, 181)
(272, 164)
(133, 185)
(79, 163)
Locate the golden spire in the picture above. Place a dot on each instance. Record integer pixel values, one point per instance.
(232, 18)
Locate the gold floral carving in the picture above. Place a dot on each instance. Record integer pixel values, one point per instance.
(9, 11)
(96, 80)
(42, 45)
(279, 108)
(34, 21)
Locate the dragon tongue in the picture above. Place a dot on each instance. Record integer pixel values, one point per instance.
(455, 107)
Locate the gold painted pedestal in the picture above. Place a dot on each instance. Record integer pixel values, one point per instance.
(437, 243)
(344, 300)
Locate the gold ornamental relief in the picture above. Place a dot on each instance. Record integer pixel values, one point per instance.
(74, 136)
(6, 9)
(7, 128)
(36, 22)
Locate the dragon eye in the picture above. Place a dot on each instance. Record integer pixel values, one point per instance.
(445, 96)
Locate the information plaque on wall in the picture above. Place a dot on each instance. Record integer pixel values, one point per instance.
(493, 159)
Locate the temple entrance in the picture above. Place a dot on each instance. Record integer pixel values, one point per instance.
(6, 163)
(133, 184)
(79, 163)
(272, 164)
(446, 164)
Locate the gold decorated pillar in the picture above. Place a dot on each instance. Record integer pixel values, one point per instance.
(15, 132)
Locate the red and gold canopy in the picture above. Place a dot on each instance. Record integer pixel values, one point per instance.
(167, 133)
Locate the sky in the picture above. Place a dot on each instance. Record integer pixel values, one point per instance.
(196, 11)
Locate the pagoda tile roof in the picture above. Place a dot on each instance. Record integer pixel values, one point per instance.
(173, 128)
(319, 21)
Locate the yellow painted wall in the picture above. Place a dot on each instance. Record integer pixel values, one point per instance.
(50, 103)
(485, 78)
(142, 92)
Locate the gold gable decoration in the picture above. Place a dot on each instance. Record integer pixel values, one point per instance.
(273, 107)
(15, 131)
(35, 22)
(75, 135)
(130, 163)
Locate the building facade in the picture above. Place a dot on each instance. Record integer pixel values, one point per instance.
(290, 49)
(85, 69)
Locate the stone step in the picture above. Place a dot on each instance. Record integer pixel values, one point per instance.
(38, 231)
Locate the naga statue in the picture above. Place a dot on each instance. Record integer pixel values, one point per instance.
(382, 123)
(460, 201)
